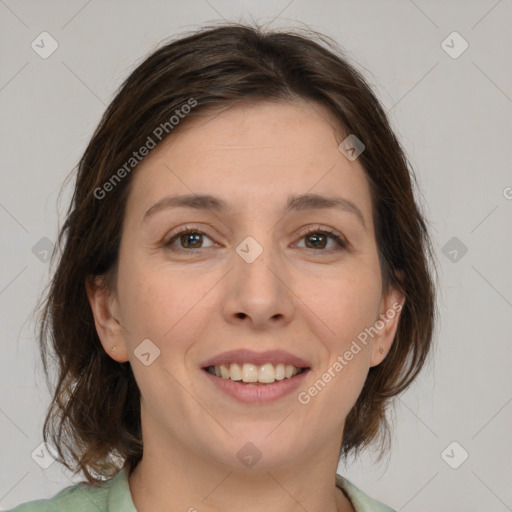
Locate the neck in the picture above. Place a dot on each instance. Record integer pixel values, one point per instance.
(185, 482)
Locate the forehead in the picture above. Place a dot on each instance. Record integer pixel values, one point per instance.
(254, 154)
(264, 130)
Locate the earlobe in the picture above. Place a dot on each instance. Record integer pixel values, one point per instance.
(108, 327)
(387, 325)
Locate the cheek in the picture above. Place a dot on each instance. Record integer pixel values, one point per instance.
(159, 303)
(168, 309)
(347, 306)
(346, 303)
(341, 377)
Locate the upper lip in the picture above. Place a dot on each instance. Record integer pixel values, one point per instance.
(257, 358)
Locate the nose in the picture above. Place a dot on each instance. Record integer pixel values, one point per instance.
(258, 291)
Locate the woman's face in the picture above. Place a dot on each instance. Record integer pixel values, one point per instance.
(248, 279)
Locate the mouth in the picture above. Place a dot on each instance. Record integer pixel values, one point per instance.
(256, 378)
(248, 373)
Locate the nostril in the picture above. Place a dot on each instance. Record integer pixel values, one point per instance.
(241, 315)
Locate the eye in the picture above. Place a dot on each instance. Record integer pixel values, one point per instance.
(318, 239)
(189, 239)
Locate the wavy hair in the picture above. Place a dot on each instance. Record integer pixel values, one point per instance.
(94, 416)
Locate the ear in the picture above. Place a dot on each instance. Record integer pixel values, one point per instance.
(387, 323)
(104, 308)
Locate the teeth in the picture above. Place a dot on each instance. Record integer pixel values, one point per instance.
(235, 372)
(251, 373)
(280, 372)
(224, 371)
(267, 374)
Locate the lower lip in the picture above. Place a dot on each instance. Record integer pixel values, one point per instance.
(257, 393)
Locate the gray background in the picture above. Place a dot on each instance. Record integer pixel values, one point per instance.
(454, 118)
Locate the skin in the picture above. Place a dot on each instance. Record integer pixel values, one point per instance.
(312, 302)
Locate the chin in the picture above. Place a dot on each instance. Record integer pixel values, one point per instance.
(258, 449)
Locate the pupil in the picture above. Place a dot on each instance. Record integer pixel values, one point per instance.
(189, 240)
(317, 237)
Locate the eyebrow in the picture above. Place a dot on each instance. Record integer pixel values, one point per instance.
(301, 202)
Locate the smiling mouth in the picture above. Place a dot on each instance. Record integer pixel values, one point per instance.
(248, 373)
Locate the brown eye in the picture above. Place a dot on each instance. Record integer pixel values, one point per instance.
(188, 240)
(318, 240)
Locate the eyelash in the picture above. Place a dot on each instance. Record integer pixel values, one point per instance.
(342, 244)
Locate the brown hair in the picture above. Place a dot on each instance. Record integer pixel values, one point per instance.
(94, 417)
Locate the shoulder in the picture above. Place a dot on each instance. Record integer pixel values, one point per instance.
(360, 501)
(79, 498)
(84, 498)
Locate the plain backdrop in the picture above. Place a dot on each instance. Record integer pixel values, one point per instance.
(442, 69)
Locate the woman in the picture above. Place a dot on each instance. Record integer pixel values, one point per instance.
(244, 283)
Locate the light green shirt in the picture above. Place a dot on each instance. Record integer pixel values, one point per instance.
(114, 496)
